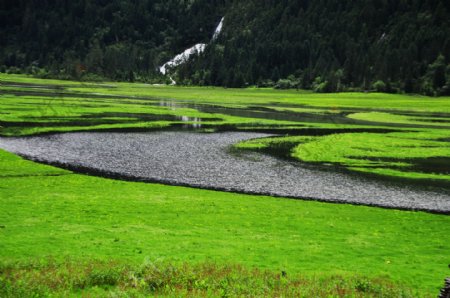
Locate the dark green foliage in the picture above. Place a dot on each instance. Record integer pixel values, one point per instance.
(320, 85)
(334, 45)
(435, 81)
(379, 86)
(120, 40)
(348, 45)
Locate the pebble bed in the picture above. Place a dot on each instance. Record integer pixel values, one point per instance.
(205, 160)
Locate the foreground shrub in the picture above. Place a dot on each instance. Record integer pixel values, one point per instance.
(111, 279)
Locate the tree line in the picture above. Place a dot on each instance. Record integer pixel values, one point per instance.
(330, 45)
(323, 45)
(101, 39)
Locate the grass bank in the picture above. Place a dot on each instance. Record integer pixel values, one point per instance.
(113, 279)
(48, 212)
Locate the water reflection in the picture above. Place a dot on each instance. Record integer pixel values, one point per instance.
(171, 104)
(190, 122)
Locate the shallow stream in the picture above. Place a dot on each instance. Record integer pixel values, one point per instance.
(206, 160)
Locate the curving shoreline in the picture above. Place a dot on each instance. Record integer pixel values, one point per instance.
(204, 160)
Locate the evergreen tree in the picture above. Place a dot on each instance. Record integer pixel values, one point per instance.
(346, 44)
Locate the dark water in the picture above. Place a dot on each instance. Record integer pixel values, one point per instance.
(259, 111)
(206, 161)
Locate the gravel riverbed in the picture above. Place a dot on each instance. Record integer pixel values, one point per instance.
(204, 160)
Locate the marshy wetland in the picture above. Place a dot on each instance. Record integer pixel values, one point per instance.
(373, 149)
(397, 137)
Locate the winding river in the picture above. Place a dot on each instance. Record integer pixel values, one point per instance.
(205, 160)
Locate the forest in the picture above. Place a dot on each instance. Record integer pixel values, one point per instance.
(117, 40)
(323, 45)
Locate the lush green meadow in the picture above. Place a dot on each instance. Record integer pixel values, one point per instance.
(415, 156)
(52, 213)
(49, 215)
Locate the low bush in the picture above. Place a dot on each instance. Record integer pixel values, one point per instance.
(111, 279)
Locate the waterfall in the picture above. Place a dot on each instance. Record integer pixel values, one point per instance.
(195, 50)
(183, 57)
(218, 29)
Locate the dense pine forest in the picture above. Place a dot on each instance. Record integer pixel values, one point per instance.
(119, 40)
(323, 45)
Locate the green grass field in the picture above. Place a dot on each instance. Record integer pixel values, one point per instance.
(422, 155)
(52, 213)
(54, 222)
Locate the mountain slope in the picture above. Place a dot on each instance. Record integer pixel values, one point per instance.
(325, 45)
(109, 38)
(330, 45)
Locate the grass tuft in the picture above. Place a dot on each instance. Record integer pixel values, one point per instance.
(112, 279)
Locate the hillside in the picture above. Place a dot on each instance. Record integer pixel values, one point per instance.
(329, 45)
(119, 40)
(324, 45)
